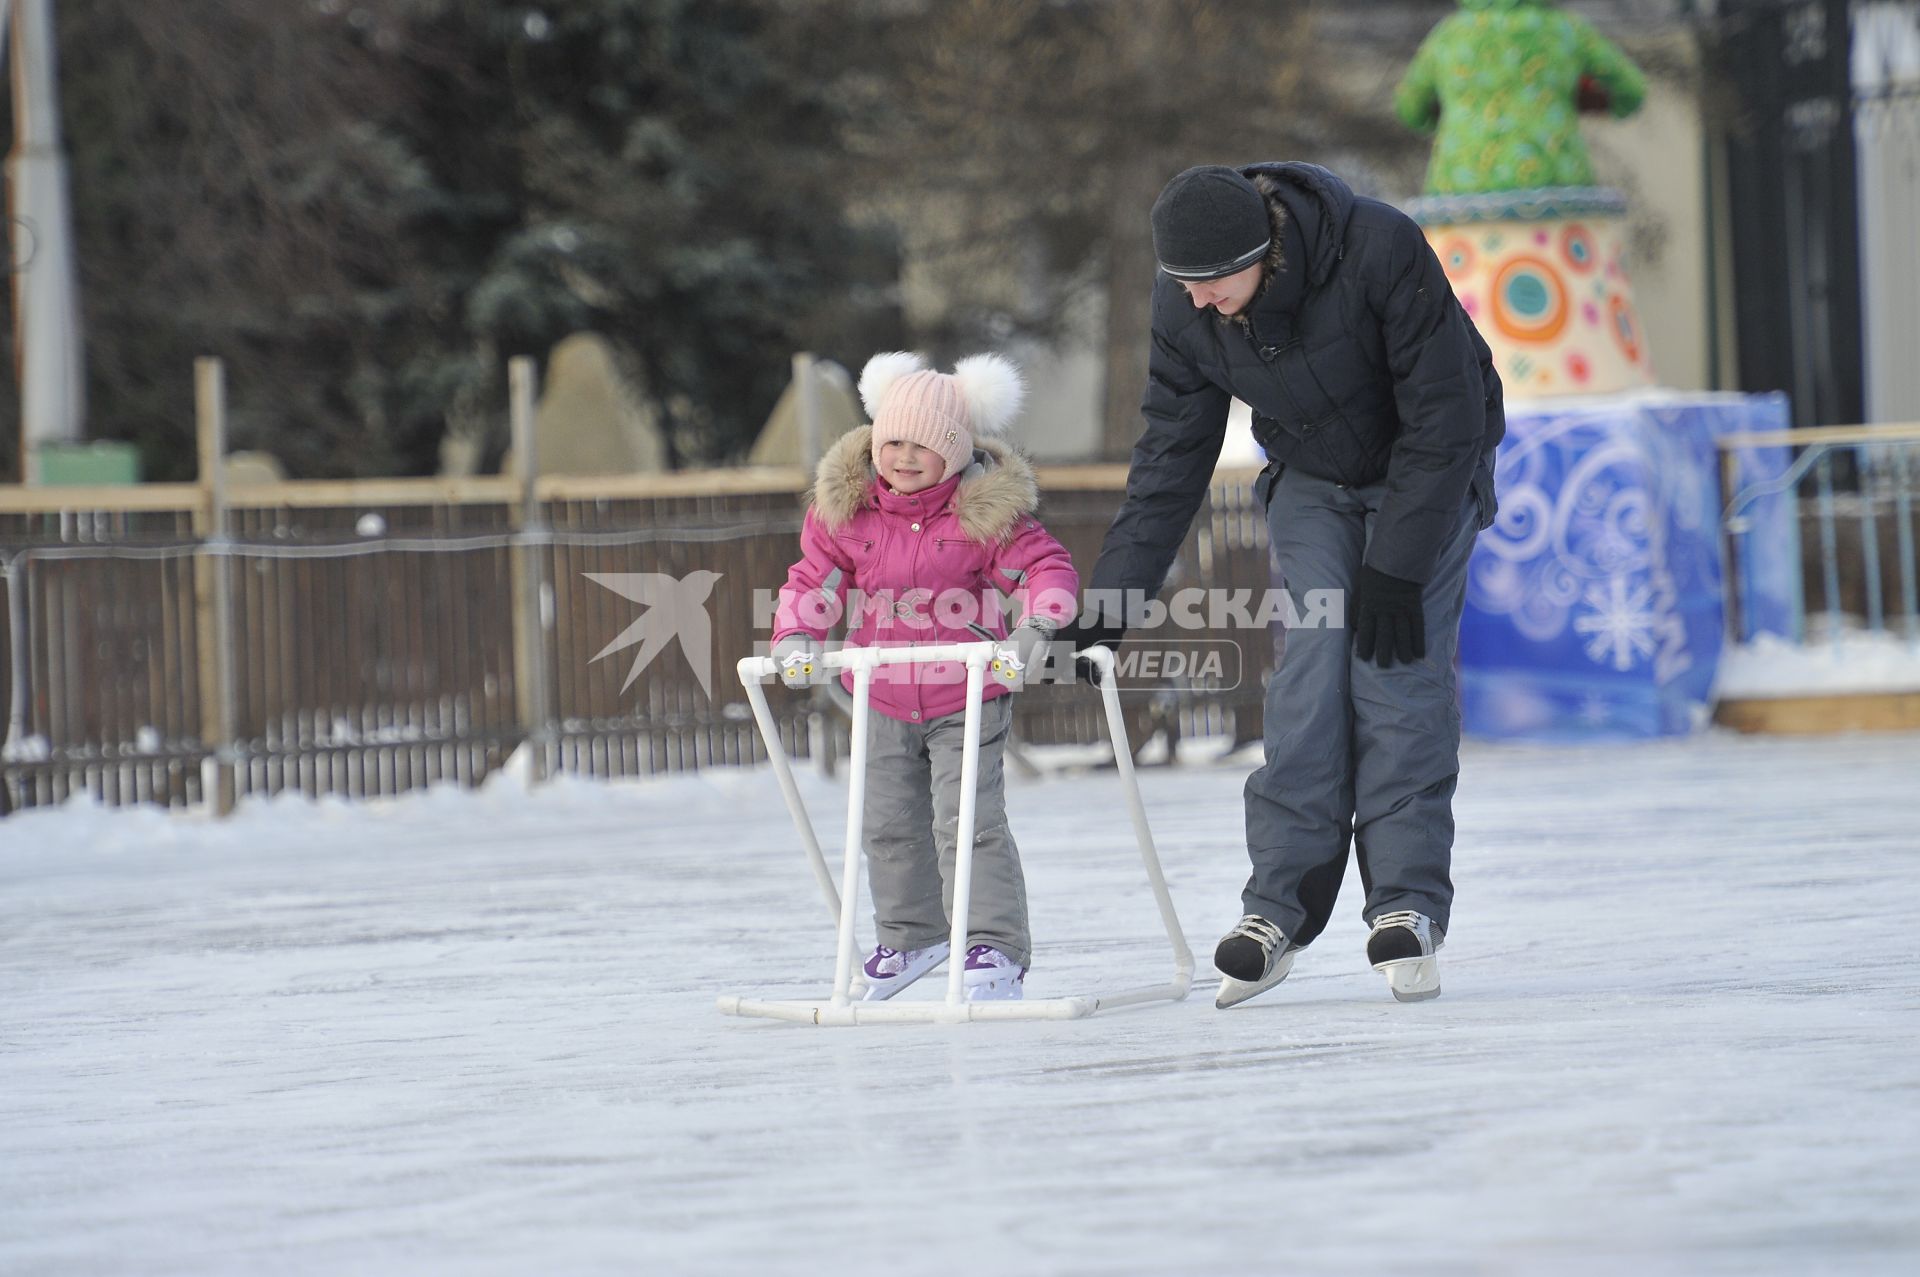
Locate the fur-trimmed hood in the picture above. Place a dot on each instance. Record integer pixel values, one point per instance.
(994, 492)
(1286, 247)
(1318, 203)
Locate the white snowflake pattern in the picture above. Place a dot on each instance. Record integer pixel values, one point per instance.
(1620, 627)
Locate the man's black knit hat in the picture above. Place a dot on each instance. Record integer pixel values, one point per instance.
(1209, 222)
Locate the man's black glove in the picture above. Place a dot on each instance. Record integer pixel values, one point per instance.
(1089, 630)
(1388, 622)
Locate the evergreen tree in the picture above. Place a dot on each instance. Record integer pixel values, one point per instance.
(366, 210)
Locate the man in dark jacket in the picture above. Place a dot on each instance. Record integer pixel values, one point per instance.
(1379, 409)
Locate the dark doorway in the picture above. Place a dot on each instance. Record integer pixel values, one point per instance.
(1794, 205)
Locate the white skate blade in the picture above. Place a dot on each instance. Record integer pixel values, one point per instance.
(1233, 992)
(1006, 988)
(880, 988)
(1412, 979)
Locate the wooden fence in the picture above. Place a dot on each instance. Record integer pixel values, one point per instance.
(186, 643)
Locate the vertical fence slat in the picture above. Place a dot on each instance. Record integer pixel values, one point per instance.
(1829, 551)
(529, 566)
(213, 583)
(1869, 537)
(1903, 516)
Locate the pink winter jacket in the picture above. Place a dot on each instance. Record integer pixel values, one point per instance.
(921, 566)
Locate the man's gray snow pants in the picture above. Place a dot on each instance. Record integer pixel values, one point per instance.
(911, 825)
(1355, 753)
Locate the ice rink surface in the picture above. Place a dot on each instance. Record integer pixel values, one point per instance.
(475, 1033)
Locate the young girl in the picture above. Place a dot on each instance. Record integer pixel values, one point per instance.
(930, 520)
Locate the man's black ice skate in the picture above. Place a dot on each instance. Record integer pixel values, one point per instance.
(1251, 958)
(1403, 948)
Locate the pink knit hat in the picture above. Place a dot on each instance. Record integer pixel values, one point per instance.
(909, 401)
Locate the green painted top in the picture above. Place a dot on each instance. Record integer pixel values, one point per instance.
(1503, 81)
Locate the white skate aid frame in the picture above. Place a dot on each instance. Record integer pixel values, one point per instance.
(842, 1008)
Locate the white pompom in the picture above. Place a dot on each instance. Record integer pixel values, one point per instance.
(881, 372)
(993, 390)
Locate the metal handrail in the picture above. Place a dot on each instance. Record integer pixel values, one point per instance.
(1817, 447)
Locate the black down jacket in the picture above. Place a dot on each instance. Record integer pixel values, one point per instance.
(1359, 365)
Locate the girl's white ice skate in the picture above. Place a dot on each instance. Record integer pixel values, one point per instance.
(991, 976)
(890, 970)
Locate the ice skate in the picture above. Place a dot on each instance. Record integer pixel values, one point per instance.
(1403, 947)
(991, 976)
(1251, 958)
(890, 970)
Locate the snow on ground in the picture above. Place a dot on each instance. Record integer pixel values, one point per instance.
(1857, 661)
(475, 1033)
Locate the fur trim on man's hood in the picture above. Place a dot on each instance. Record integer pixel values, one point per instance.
(1276, 258)
(994, 492)
(1319, 201)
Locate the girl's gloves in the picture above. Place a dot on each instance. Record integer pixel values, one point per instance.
(797, 659)
(1020, 658)
(1023, 654)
